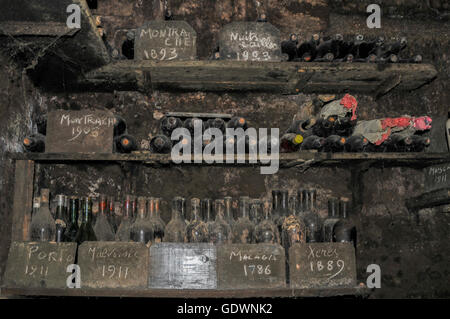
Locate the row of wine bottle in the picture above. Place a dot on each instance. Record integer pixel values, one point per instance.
(336, 49)
(284, 219)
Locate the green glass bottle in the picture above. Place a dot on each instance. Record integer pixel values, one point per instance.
(86, 231)
(72, 230)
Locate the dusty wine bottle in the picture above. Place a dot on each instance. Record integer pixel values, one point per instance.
(128, 45)
(312, 219)
(160, 144)
(158, 224)
(302, 127)
(276, 200)
(328, 224)
(229, 216)
(290, 143)
(175, 231)
(344, 229)
(266, 231)
(72, 229)
(196, 229)
(283, 209)
(255, 214)
(34, 143)
(397, 142)
(334, 143)
(219, 231)
(356, 143)
(86, 231)
(125, 143)
(169, 124)
(290, 47)
(237, 122)
(313, 142)
(307, 50)
(243, 228)
(142, 231)
(123, 232)
(217, 123)
(102, 228)
(43, 226)
(268, 145)
(191, 123)
(36, 206)
(120, 126)
(111, 214)
(419, 143)
(60, 220)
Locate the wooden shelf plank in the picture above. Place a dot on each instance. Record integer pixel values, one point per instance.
(286, 159)
(279, 77)
(191, 293)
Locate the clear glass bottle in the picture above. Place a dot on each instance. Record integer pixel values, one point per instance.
(243, 228)
(255, 211)
(196, 229)
(102, 228)
(229, 217)
(328, 224)
(72, 229)
(220, 230)
(344, 230)
(112, 214)
(312, 219)
(60, 219)
(175, 231)
(293, 228)
(155, 219)
(123, 232)
(266, 231)
(142, 231)
(36, 206)
(42, 226)
(86, 231)
(301, 203)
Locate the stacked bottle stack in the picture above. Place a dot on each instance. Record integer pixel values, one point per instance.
(336, 49)
(285, 219)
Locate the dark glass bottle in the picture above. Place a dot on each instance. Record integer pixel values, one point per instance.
(328, 224)
(269, 144)
(120, 126)
(34, 143)
(334, 143)
(155, 219)
(42, 226)
(302, 127)
(133, 208)
(307, 50)
(169, 124)
(313, 142)
(141, 231)
(397, 142)
(312, 219)
(290, 142)
(60, 219)
(243, 228)
(237, 122)
(74, 208)
(123, 232)
(229, 217)
(128, 46)
(419, 143)
(102, 228)
(161, 144)
(266, 231)
(356, 143)
(196, 229)
(125, 143)
(219, 231)
(191, 123)
(217, 123)
(176, 228)
(86, 231)
(344, 229)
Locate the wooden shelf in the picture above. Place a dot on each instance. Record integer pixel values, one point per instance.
(191, 293)
(286, 159)
(278, 77)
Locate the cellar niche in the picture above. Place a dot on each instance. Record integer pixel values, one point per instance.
(406, 242)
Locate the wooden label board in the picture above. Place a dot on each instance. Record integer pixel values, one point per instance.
(165, 41)
(322, 265)
(437, 177)
(86, 131)
(251, 266)
(39, 264)
(182, 266)
(250, 41)
(113, 265)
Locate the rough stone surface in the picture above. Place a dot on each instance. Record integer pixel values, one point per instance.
(411, 250)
